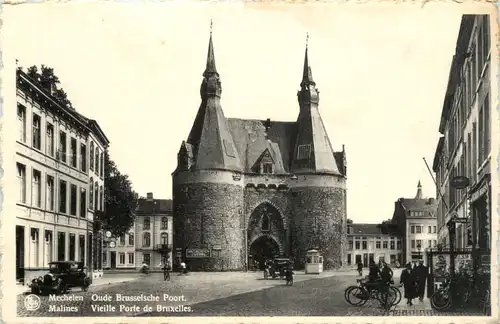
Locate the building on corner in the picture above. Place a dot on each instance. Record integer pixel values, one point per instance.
(253, 189)
(464, 150)
(60, 174)
(416, 219)
(368, 243)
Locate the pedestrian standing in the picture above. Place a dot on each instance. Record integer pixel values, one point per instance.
(360, 269)
(409, 282)
(421, 274)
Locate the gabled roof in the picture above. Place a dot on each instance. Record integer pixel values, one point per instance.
(374, 229)
(155, 206)
(428, 206)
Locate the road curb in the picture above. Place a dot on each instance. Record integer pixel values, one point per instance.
(103, 284)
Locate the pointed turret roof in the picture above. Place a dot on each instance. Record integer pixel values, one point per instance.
(419, 191)
(212, 142)
(313, 151)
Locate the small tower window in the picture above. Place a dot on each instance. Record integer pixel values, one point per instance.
(265, 222)
(304, 152)
(267, 168)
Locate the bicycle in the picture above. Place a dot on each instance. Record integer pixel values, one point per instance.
(390, 298)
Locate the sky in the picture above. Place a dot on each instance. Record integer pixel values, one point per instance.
(382, 72)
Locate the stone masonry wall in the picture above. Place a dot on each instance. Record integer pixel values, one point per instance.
(216, 210)
(327, 205)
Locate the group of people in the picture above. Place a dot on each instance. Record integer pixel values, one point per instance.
(413, 279)
(166, 269)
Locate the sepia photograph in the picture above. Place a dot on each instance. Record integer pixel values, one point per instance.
(166, 159)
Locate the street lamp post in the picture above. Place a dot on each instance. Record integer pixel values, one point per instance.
(418, 248)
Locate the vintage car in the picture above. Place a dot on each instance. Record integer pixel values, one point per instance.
(62, 276)
(276, 268)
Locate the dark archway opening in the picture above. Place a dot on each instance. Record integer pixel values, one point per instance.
(262, 249)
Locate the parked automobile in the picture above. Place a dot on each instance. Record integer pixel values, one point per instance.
(276, 268)
(62, 276)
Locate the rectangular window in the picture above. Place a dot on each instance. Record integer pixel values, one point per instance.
(96, 168)
(37, 135)
(429, 229)
(122, 258)
(419, 243)
(434, 243)
(91, 164)
(131, 239)
(358, 244)
(34, 246)
(413, 244)
(304, 152)
(50, 192)
(377, 245)
(419, 229)
(21, 179)
(105, 258)
(49, 141)
(267, 168)
(398, 245)
(73, 152)
(37, 189)
(62, 196)
(83, 157)
(21, 121)
(73, 196)
(393, 245)
(429, 243)
(101, 199)
(122, 239)
(62, 146)
(434, 229)
(365, 246)
(102, 164)
(61, 246)
(384, 245)
(131, 258)
(412, 229)
(83, 202)
(72, 246)
(81, 242)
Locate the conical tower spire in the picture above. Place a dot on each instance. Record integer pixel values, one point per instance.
(210, 68)
(419, 191)
(307, 73)
(211, 86)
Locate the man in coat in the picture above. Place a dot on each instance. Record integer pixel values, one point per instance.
(409, 281)
(421, 273)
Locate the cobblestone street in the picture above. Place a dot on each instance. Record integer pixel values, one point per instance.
(210, 294)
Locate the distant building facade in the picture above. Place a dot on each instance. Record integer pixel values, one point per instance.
(122, 255)
(154, 231)
(60, 173)
(368, 243)
(252, 189)
(464, 215)
(416, 219)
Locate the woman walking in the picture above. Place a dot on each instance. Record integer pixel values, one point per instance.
(408, 279)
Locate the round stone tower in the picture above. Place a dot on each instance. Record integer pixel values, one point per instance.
(318, 196)
(207, 187)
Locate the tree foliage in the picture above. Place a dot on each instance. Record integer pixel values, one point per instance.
(46, 77)
(121, 201)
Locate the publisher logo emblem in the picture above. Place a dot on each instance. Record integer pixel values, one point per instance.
(32, 302)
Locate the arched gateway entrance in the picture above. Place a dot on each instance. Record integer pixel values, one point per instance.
(262, 249)
(266, 234)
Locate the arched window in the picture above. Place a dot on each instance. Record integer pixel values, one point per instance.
(147, 223)
(91, 194)
(164, 223)
(146, 240)
(265, 222)
(164, 238)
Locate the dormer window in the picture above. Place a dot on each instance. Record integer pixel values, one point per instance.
(304, 152)
(266, 168)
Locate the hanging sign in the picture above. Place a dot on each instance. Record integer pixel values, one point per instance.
(460, 182)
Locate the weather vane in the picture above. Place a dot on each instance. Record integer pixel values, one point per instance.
(211, 27)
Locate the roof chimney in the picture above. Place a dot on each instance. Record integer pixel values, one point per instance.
(149, 196)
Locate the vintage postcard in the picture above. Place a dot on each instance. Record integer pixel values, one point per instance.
(249, 162)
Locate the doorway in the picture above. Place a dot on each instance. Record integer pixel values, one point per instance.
(264, 248)
(113, 260)
(19, 252)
